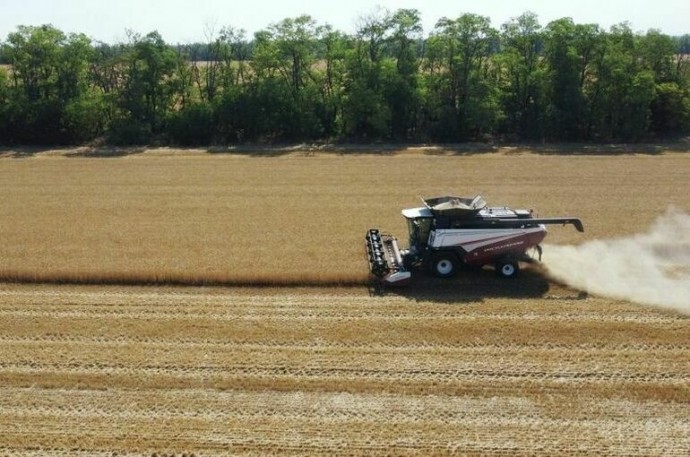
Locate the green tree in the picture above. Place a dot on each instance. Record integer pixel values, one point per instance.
(565, 111)
(284, 59)
(522, 76)
(625, 89)
(224, 62)
(366, 112)
(658, 55)
(335, 46)
(146, 93)
(4, 106)
(49, 73)
(466, 105)
(402, 87)
(298, 80)
(4, 86)
(669, 109)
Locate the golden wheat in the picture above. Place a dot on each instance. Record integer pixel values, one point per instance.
(182, 217)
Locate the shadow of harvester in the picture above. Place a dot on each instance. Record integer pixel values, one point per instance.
(476, 286)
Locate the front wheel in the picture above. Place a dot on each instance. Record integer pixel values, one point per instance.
(444, 266)
(507, 269)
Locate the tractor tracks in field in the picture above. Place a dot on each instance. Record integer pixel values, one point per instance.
(85, 370)
(332, 338)
(339, 406)
(177, 306)
(201, 343)
(307, 315)
(199, 375)
(341, 422)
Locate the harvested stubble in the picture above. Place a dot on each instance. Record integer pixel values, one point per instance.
(139, 371)
(184, 217)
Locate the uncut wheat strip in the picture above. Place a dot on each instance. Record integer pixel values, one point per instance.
(165, 296)
(207, 188)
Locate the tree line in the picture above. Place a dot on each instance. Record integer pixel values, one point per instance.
(298, 80)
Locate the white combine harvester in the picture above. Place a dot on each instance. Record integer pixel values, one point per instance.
(448, 232)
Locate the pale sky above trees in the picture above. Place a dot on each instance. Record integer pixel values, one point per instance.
(188, 21)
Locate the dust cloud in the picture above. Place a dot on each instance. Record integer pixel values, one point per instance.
(650, 268)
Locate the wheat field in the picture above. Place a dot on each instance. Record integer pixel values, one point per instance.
(298, 219)
(139, 360)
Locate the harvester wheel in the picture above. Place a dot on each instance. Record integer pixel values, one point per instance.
(444, 265)
(507, 269)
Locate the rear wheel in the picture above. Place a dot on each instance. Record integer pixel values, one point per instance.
(444, 265)
(507, 269)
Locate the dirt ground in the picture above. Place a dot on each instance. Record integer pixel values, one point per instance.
(472, 366)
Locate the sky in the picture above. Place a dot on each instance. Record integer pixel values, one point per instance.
(187, 21)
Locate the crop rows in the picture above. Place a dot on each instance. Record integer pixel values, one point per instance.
(139, 371)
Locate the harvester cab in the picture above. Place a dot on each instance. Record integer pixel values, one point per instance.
(419, 226)
(448, 232)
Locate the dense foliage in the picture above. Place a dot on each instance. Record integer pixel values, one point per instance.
(298, 80)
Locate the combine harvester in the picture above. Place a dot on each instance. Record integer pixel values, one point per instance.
(448, 232)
